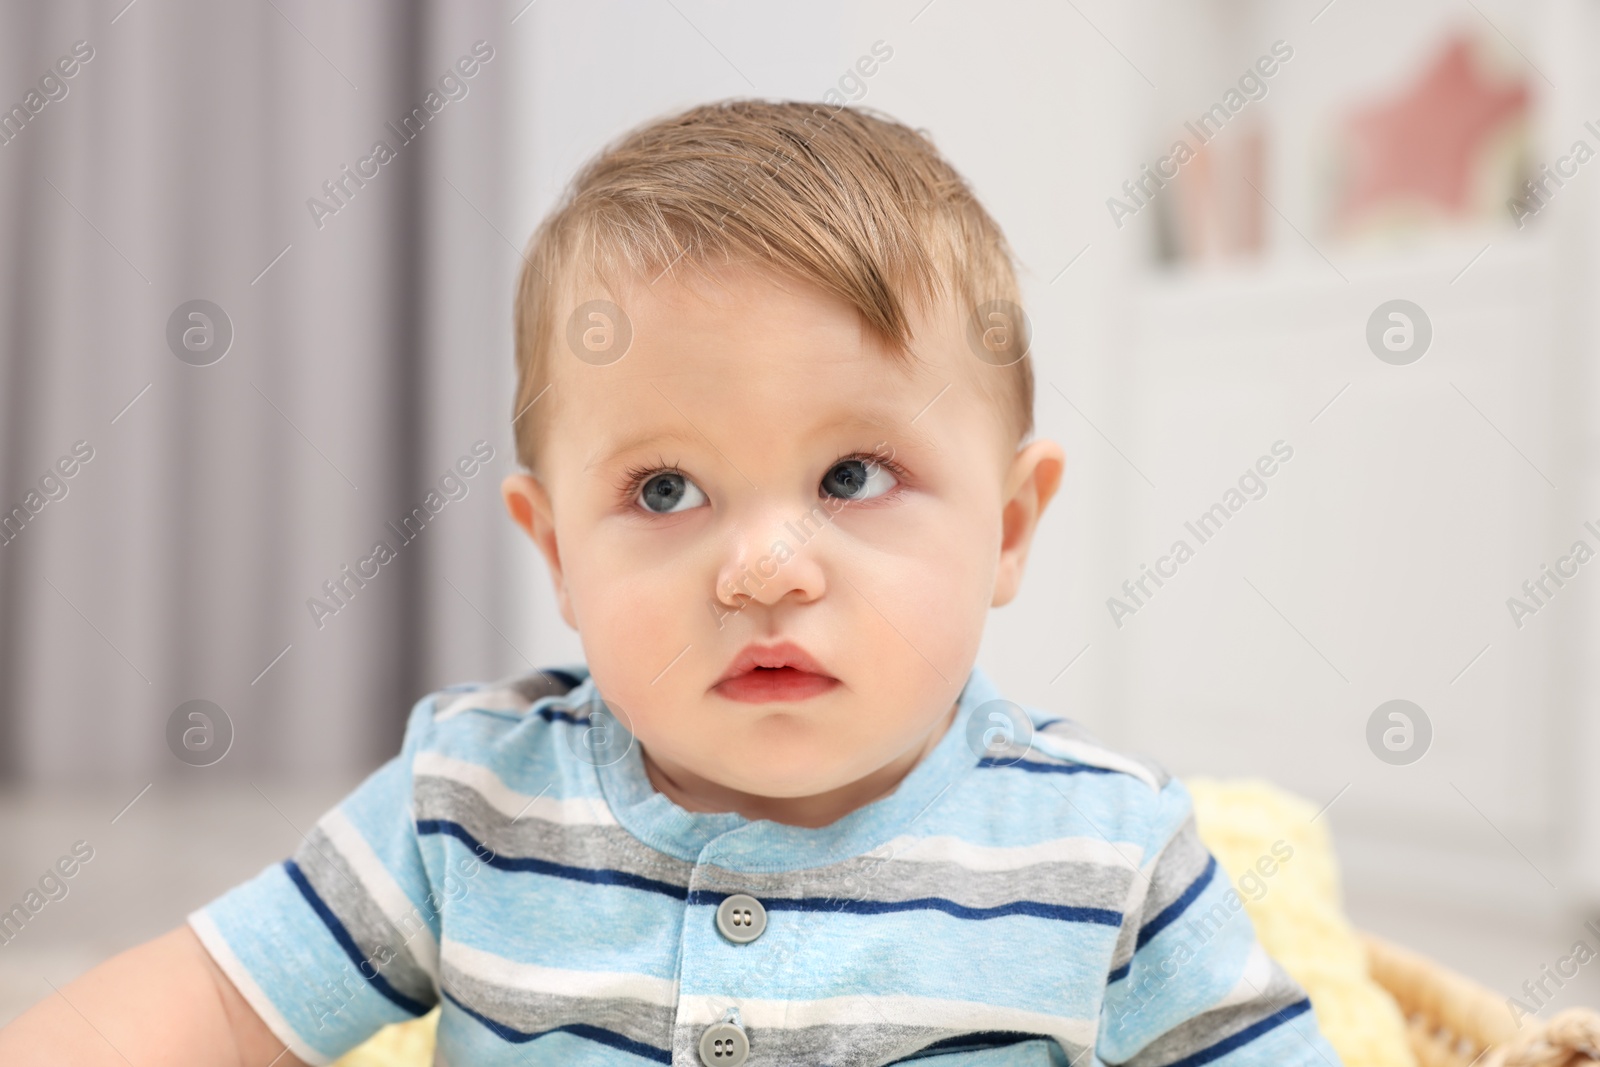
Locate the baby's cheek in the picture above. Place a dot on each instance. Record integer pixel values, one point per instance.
(938, 587)
(632, 624)
(637, 619)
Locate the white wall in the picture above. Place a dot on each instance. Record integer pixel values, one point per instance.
(1385, 548)
(1008, 107)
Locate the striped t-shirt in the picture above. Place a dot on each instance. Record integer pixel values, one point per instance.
(1008, 903)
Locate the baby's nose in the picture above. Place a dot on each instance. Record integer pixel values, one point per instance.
(774, 556)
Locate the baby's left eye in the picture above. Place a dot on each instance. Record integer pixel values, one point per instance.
(858, 479)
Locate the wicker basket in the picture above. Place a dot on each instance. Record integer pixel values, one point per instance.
(1454, 1022)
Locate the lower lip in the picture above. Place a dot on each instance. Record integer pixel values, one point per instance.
(769, 686)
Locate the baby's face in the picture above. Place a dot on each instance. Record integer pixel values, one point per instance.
(777, 542)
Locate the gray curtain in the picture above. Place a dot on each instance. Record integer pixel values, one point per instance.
(183, 159)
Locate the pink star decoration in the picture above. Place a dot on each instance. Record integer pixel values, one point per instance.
(1424, 148)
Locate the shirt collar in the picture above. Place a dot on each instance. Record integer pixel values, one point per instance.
(733, 841)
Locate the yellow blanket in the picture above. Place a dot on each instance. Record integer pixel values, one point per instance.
(1298, 915)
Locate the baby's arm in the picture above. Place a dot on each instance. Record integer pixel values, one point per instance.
(163, 1002)
(284, 936)
(1190, 981)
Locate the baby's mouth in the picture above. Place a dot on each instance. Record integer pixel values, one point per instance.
(764, 674)
(762, 685)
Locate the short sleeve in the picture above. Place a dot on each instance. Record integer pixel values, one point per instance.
(342, 938)
(1190, 983)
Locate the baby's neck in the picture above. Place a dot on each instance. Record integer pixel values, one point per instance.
(693, 793)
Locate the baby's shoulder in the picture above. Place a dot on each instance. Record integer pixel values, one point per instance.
(509, 699)
(505, 745)
(1072, 748)
(1070, 782)
(510, 719)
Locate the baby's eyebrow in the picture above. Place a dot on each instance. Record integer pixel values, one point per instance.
(676, 435)
(880, 423)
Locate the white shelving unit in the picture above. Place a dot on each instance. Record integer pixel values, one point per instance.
(1418, 500)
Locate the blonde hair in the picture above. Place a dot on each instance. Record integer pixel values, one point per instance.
(845, 198)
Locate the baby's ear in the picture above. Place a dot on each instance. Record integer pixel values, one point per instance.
(528, 503)
(1032, 480)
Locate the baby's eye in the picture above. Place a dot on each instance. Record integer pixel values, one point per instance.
(858, 479)
(668, 492)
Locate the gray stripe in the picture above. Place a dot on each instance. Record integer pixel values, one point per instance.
(531, 688)
(1207, 1028)
(335, 881)
(535, 1013)
(1122, 952)
(653, 1025)
(1180, 863)
(842, 1045)
(1061, 883)
(536, 685)
(530, 837)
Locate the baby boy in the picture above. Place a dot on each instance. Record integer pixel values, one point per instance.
(774, 409)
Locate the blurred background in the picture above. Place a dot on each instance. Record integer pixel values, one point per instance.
(240, 343)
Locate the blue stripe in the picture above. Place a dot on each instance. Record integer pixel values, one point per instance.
(1176, 908)
(1062, 912)
(1119, 973)
(348, 943)
(1245, 1036)
(1046, 768)
(598, 1034)
(592, 875)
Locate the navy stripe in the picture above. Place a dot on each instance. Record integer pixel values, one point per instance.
(348, 943)
(1245, 1036)
(1046, 768)
(598, 1034)
(547, 713)
(986, 1039)
(592, 875)
(562, 676)
(1119, 973)
(1062, 912)
(1047, 724)
(606, 876)
(554, 714)
(1176, 908)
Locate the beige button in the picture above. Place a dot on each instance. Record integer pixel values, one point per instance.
(741, 918)
(724, 1045)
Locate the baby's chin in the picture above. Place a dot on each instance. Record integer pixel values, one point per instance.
(807, 768)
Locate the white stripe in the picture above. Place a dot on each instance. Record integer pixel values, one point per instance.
(895, 1009)
(1133, 906)
(1252, 983)
(483, 700)
(573, 811)
(206, 930)
(1095, 756)
(532, 978)
(382, 888)
(946, 849)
